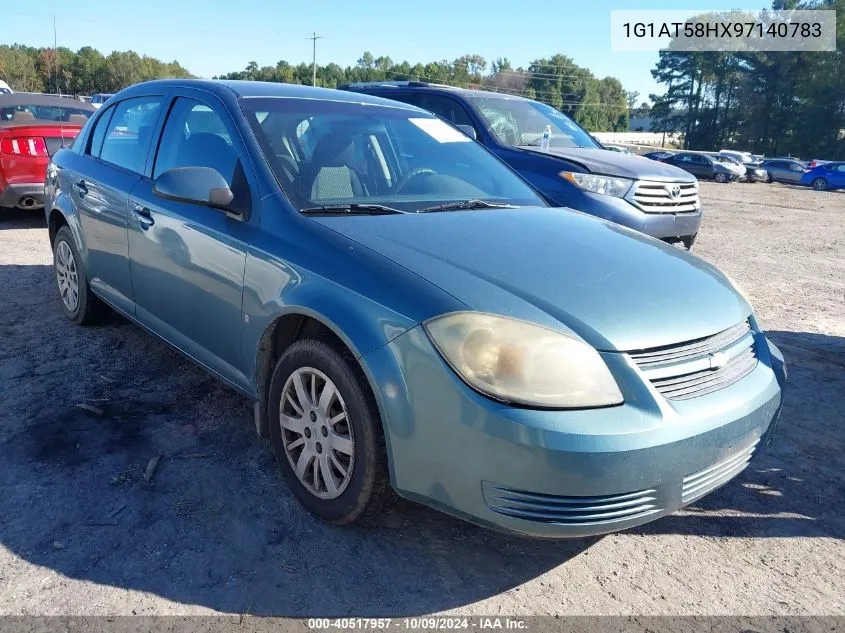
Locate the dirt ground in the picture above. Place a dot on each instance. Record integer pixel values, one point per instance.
(215, 529)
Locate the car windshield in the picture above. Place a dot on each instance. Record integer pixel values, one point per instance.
(330, 154)
(43, 113)
(521, 122)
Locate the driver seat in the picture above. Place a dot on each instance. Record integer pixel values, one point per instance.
(331, 173)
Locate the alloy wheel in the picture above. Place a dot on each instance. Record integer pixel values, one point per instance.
(820, 184)
(316, 433)
(67, 276)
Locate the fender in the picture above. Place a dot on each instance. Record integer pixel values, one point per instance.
(64, 207)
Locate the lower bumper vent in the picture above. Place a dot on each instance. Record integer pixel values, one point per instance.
(532, 506)
(712, 477)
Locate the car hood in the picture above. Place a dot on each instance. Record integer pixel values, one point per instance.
(613, 287)
(603, 161)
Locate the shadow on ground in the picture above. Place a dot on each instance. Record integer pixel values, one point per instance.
(21, 219)
(214, 526)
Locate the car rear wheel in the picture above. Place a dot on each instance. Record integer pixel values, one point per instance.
(79, 304)
(327, 434)
(820, 184)
(721, 177)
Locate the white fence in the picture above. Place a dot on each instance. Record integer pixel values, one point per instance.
(638, 138)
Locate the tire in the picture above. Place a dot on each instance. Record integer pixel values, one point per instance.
(688, 241)
(363, 489)
(769, 179)
(721, 178)
(820, 184)
(71, 282)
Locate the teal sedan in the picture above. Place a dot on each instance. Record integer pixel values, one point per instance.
(406, 313)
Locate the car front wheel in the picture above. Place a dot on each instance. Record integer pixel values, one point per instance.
(327, 434)
(820, 184)
(721, 177)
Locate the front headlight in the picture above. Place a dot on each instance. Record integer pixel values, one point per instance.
(607, 185)
(521, 363)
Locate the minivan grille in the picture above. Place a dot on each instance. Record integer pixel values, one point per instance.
(712, 477)
(666, 197)
(545, 508)
(702, 366)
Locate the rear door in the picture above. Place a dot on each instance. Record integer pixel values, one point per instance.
(114, 158)
(187, 261)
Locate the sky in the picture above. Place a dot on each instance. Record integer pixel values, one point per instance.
(211, 37)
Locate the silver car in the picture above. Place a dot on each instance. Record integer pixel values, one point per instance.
(784, 170)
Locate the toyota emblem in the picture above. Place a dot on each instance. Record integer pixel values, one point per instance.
(674, 191)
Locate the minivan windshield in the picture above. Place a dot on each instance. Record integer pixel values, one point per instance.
(362, 158)
(520, 122)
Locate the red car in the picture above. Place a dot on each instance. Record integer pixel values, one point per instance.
(32, 128)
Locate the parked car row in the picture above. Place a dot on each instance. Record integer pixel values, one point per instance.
(819, 174)
(408, 313)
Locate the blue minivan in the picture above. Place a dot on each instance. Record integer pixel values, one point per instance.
(573, 169)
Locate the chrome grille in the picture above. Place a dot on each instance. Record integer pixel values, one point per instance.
(659, 197)
(533, 506)
(699, 367)
(712, 477)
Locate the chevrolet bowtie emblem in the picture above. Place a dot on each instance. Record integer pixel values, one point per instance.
(718, 360)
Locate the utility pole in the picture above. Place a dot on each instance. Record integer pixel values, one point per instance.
(314, 37)
(56, 53)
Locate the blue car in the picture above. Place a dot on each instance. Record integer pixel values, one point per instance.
(406, 313)
(570, 168)
(825, 176)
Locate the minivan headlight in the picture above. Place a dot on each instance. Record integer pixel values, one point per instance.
(521, 363)
(607, 185)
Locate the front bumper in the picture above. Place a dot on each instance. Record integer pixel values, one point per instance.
(564, 473)
(16, 195)
(665, 226)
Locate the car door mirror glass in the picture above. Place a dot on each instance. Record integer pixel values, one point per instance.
(196, 185)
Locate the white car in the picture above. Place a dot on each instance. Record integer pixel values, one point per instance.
(100, 98)
(5, 89)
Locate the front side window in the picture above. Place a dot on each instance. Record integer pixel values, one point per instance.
(329, 153)
(521, 122)
(127, 137)
(195, 136)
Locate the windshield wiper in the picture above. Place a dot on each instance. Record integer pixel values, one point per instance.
(466, 204)
(351, 209)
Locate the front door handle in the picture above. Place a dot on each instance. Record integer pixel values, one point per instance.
(142, 215)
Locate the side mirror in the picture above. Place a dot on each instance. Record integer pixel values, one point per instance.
(197, 185)
(468, 130)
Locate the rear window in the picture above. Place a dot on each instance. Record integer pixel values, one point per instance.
(24, 112)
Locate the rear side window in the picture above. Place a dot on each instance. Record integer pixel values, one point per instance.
(445, 108)
(99, 133)
(127, 136)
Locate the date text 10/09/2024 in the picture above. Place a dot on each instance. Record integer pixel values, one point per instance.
(422, 623)
(723, 29)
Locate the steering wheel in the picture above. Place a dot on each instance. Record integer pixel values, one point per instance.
(416, 172)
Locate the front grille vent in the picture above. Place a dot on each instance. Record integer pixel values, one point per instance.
(696, 368)
(666, 197)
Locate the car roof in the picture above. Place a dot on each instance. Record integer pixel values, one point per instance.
(254, 89)
(417, 86)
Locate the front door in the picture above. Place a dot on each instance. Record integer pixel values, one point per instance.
(187, 261)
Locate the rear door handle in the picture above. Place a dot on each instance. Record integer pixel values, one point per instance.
(141, 214)
(81, 187)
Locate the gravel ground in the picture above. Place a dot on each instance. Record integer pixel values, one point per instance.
(215, 530)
